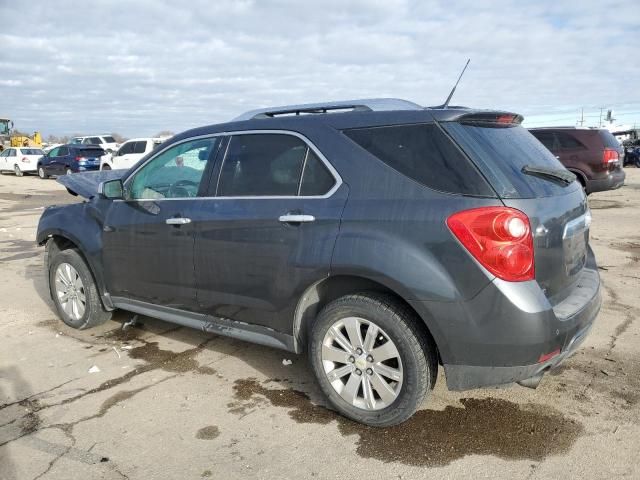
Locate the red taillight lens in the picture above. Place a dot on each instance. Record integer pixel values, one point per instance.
(25, 160)
(609, 156)
(79, 158)
(499, 238)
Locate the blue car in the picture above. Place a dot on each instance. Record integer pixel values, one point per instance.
(70, 158)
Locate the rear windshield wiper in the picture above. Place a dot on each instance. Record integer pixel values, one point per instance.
(561, 176)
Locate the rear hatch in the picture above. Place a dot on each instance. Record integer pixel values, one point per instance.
(528, 177)
(90, 156)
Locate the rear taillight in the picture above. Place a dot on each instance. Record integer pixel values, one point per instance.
(499, 238)
(25, 160)
(609, 156)
(79, 158)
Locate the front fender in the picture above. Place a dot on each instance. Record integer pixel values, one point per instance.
(80, 224)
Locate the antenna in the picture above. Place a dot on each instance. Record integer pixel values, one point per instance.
(446, 103)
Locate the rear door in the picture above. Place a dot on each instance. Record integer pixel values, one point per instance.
(268, 229)
(558, 212)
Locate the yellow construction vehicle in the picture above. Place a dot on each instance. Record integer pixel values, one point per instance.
(9, 139)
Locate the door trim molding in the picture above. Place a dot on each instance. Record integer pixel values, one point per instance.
(209, 323)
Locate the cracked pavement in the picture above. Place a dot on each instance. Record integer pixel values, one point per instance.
(169, 402)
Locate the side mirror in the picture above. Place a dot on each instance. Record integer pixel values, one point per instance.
(111, 189)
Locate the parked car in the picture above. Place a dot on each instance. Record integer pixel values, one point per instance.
(20, 160)
(632, 153)
(592, 154)
(130, 152)
(378, 236)
(106, 142)
(70, 158)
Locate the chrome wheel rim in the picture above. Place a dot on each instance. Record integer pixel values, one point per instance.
(362, 363)
(70, 291)
(41, 172)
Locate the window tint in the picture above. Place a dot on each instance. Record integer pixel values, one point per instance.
(502, 152)
(126, 148)
(261, 165)
(548, 139)
(12, 152)
(94, 141)
(54, 152)
(90, 152)
(316, 179)
(568, 141)
(424, 154)
(109, 139)
(139, 147)
(175, 173)
(609, 140)
(63, 151)
(31, 151)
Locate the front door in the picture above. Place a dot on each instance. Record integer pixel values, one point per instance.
(148, 238)
(269, 230)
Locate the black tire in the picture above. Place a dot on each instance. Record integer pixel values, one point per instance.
(42, 173)
(106, 167)
(94, 313)
(414, 344)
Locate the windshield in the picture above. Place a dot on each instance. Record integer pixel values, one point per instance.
(502, 152)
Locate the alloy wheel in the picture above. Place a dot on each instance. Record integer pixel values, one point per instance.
(70, 291)
(362, 363)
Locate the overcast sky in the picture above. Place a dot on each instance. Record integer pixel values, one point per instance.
(140, 67)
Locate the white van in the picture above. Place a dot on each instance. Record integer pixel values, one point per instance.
(130, 152)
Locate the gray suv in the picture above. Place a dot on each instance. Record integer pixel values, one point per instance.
(381, 237)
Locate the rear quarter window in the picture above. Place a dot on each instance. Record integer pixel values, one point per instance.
(425, 154)
(609, 140)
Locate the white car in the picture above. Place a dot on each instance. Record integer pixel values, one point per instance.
(50, 147)
(130, 152)
(20, 160)
(106, 142)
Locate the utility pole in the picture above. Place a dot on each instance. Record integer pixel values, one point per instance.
(582, 117)
(600, 121)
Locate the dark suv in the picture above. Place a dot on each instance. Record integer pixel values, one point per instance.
(592, 154)
(70, 158)
(381, 237)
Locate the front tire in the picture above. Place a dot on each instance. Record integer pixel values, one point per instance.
(42, 174)
(74, 291)
(372, 359)
(106, 167)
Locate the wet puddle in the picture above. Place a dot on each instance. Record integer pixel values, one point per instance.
(597, 204)
(208, 433)
(436, 438)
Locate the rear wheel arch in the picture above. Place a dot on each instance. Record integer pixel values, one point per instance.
(325, 291)
(582, 178)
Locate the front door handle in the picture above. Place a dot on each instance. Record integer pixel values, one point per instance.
(177, 221)
(290, 218)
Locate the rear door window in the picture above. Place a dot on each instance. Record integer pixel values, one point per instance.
(262, 165)
(548, 139)
(568, 141)
(425, 154)
(139, 147)
(126, 149)
(109, 139)
(501, 152)
(63, 152)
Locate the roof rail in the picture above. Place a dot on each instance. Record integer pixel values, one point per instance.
(362, 105)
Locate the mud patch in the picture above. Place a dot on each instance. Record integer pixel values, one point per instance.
(17, 245)
(165, 359)
(19, 256)
(436, 438)
(118, 398)
(629, 247)
(597, 204)
(208, 433)
(29, 422)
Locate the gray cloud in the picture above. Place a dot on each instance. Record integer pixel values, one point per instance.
(70, 67)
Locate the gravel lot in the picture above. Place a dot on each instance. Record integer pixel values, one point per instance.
(169, 402)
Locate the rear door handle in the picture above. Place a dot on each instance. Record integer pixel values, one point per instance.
(296, 218)
(177, 221)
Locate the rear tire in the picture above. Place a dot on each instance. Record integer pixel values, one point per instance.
(17, 171)
(375, 392)
(74, 291)
(68, 171)
(106, 167)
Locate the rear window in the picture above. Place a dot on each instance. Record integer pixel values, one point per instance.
(501, 152)
(609, 140)
(31, 151)
(109, 139)
(423, 153)
(91, 152)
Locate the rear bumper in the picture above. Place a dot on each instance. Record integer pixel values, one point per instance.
(612, 181)
(500, 335)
